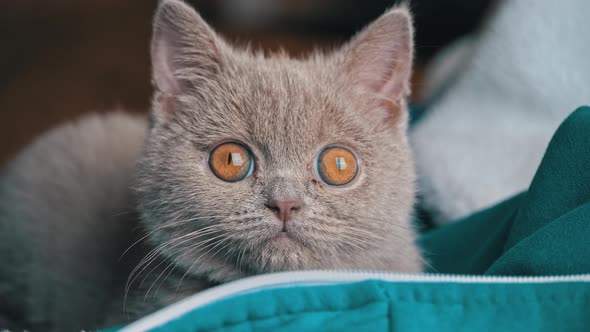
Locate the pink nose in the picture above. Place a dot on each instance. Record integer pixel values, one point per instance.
(284, 209)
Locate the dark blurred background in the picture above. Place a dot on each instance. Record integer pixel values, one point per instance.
(63, 58)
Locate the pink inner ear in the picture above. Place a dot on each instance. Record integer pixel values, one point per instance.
(165, 103)
(396, 77)
(163, 73)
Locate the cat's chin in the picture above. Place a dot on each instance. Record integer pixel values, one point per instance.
(284, 240)
(284, 251)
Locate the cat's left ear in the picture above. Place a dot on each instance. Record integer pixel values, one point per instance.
(378, 60)
(185, 50)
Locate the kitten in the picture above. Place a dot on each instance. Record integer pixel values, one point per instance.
(248, 165)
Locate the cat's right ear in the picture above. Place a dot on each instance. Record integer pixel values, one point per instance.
(185, 51)
(378, 61)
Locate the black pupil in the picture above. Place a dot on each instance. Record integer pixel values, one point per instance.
(229, 158)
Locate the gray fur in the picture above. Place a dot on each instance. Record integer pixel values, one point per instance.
(69, 204)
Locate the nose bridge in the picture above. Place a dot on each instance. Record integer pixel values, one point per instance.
(282, 188)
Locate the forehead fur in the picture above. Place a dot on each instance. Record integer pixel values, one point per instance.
(295, 104)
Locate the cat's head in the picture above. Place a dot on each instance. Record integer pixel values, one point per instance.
(264, 163)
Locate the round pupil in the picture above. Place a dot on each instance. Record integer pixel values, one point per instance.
(337, 166)
(230, 162)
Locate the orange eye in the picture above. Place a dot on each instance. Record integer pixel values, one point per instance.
(337, 166)
(231, 162)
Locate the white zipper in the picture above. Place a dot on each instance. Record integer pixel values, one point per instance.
(311, 278)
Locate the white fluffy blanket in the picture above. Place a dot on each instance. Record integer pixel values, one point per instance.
(482, 141)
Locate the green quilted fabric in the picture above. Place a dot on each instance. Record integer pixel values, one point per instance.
(381, 306)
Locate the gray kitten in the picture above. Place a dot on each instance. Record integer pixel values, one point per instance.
(250, 164)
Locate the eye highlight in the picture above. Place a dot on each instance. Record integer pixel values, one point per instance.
(337, 166)
(231, 162)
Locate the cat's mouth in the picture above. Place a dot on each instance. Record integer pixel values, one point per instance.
(284, 251)
(283, 234)
(285, 237)
(290, 242)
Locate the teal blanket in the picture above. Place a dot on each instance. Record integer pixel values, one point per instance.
(544, 231)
